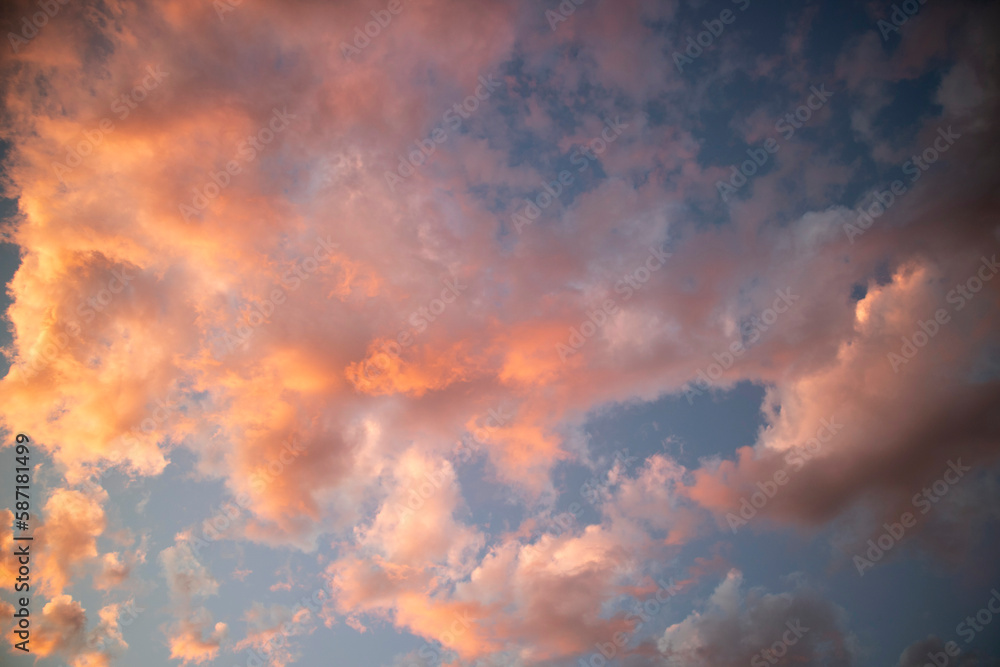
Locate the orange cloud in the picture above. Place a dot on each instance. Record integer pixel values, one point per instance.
(71, 523)
(190, 644)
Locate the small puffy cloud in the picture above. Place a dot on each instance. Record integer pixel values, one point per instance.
(196, 639)
(116, 569)
(186, 576)
(61, 630)
(71, 524)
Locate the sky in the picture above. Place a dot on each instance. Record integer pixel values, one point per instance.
(431, 333)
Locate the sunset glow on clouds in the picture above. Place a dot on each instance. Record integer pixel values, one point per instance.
(436, 333)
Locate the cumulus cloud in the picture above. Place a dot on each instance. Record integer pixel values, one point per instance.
(736, 628)
(858, 428)
(71, 523)
(62, 627)
(545, 592)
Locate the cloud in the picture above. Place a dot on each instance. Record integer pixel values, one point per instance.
(269, 629)
(8, 565)
(71, 524)
(888, 427)
(547, 591)
(187, 578)
(193, 637)
(107, 637)
(734, 627)
(919, 653)
(416, 522)
(547, 596)
(116, 571)
(197, 640)
(61, 630)
(655, 500)
(295, 337)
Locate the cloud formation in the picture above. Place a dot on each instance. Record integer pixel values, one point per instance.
(759, 628)
(215, 271)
